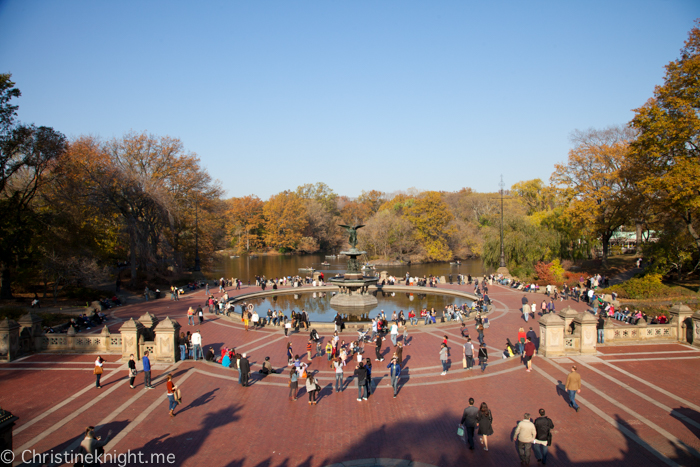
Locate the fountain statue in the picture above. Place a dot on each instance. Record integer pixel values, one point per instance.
(354, 285)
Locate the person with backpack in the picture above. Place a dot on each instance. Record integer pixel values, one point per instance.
(543, 439)
(483, 356)
(361, 375)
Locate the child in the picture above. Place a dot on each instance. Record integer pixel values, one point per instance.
(329, 351)
(309, 346)
(405, 335)
(319, 349)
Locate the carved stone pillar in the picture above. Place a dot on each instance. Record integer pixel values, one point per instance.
(106, 338)
(696, 329)
(9, 340)
(131, 331)
(586, 323)
(33, 323)
(568, 314)
(166, 343)
(70, 338)
(551, 335)
(679, 313)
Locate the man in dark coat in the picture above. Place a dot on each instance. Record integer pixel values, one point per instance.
(469, 422)
(244, 368)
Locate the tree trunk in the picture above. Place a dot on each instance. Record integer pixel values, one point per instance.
(691, 230)
(606, 247)
(5, 290)
(638, 244)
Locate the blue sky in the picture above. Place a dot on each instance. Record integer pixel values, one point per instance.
(436, 95)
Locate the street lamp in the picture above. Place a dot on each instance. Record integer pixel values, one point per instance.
(503, 255)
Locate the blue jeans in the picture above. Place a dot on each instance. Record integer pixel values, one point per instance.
(601, 336)
(361, 390)
(540, 452)
(394, 337)
(240, 375)
(338, 382)
(183, 352)
(198, 351)
(572, 399)
(526, 316)
(414, 321)
(190, 320)
(426, 320)
(395, 383)
(483, 364)
(171, 402)
(444, 365)
(521, 346)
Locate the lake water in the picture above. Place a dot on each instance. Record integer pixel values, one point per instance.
(246, 267)
(318, 306)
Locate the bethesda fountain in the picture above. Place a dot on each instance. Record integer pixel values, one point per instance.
(354, 285)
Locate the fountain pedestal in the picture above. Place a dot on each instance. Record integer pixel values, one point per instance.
(353, 284)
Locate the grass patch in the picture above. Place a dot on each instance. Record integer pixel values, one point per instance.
(48, 319)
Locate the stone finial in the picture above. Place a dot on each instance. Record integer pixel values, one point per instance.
(131, 325)
(680, 308)
(585, 318)
(568, 312)
(71, 331)
(551, 319)
(105, 332)
(167, 325)
(7, 325)
(149, 320)
(29, 319)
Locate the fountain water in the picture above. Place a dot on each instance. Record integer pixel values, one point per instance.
(353, 284)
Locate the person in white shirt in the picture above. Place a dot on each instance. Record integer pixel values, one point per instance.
(394, 333)
(197, 344)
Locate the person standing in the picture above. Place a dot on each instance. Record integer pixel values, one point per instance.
(146, 370)
(394, 332)
(309, 349)
(197, 344)
(529, 353)
(293, 383)
(183, 346)
(378, 348)
(600, 327)
(368, 381)
(171, 395)
(573, 387)
(338, 364)
(132, 371)
(312, 388)
(398, 353)
(244, 368)
(200, 313)
(543, 426)
(485, 418)
(190, 316)
(443, 358)
(405, 335)
(469, 353)
(480, 330)
(526, 308)
(98, 371)
(361, 375)
(469, 422)
(483, 356)
(395, 374)
(525, 434)
(533, 337)
(92, 445)
(521, 340)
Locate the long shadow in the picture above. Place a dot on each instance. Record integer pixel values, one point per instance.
(693, 415)
(200, 401)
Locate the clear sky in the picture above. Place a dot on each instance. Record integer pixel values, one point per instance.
(360, 95)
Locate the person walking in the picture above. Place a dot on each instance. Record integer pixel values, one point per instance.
(338, 364)
(309, 349)
(573, 387)
(543, 426)
(484, 419)
(190, 316)
(395, 373)
(171, 395)
(146, 370)
(361, 375)
(244, 368)
(480, 330)
(98, 371)
(368, 381)
(469, 353)
(529, 353)
(443, 358)
(533, 337)
(526, 308)
(398, 353)
(293, 384)
(312, 388)
(197, 344)
(469, 422)
(405, 335)
(525, 434)
(132, 370)
(483, 356)
(91, 446)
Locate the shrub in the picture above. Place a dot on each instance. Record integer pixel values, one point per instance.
(639, 288)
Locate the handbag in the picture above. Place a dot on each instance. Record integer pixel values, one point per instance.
(97, 371)
(133, 372)
(460, 430)
(464, 361)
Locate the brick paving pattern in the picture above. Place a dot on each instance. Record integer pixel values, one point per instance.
(640, 404)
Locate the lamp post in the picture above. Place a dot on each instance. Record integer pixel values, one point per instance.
(197, 265)
(503, 255)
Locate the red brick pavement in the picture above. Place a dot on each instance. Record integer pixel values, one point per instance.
(221, 423)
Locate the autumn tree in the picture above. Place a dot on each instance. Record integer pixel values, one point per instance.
(247, 221)
(665, 157)
(431, 219)
(285, 220)
(28, 155)
(593, 182)
(534, 194)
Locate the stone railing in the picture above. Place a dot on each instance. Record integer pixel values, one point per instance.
(640, 332)
(159, 338)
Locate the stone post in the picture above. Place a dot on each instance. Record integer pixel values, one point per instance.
(149, 321)
(679, 313)
(166, 344)
(131, 331)
(9, 340)
(33, 322)
(642, 330)
(70, 338)
(586, 324)
(568, 314)
(106, 338)
(696, 329)
(551, 335)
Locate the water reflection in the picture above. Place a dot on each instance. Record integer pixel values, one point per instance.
(317, 304)
(246, 267)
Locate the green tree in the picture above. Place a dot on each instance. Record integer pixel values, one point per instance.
(431, 219)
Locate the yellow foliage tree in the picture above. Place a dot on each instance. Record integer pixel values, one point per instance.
(285, 220)
(431, 219)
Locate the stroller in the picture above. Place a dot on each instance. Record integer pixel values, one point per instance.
(362, 336)
(314, 336)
